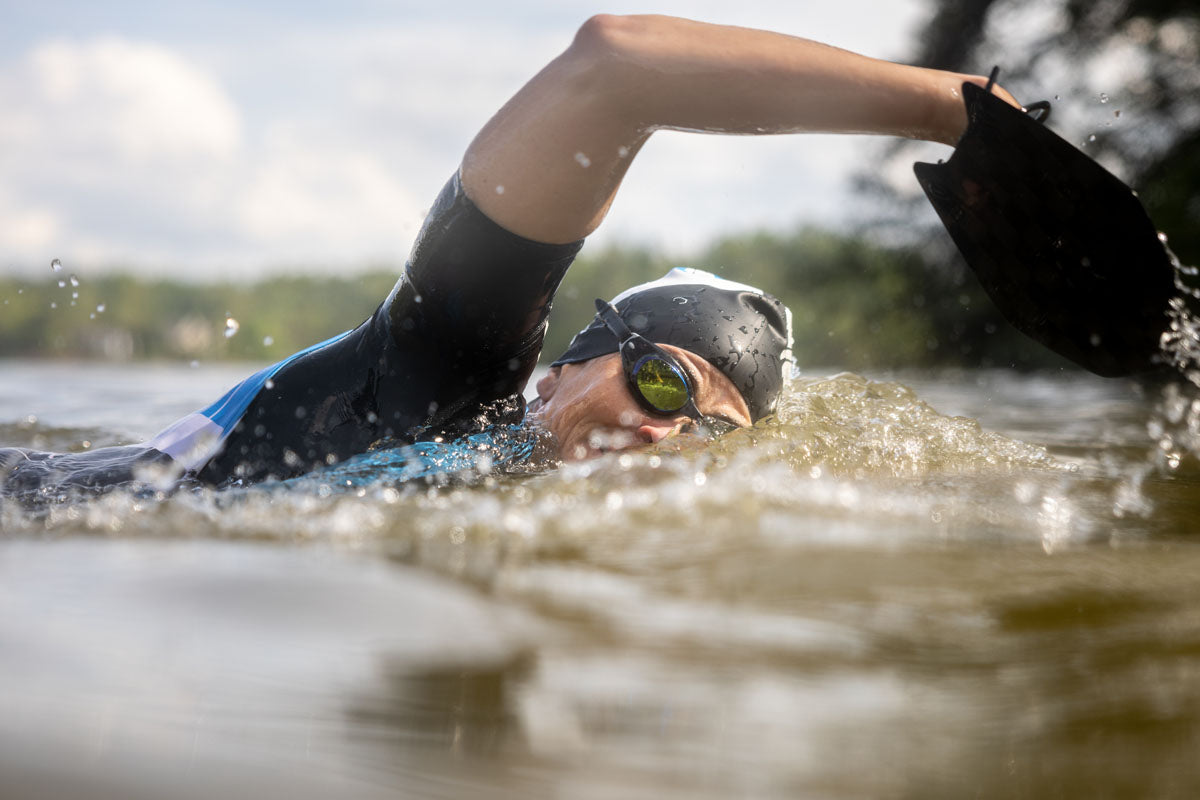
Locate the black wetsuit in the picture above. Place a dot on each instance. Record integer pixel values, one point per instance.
(449, 351)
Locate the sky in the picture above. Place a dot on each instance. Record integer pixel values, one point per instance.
(229, 139)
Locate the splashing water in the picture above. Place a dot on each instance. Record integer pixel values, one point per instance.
(1175, 429)
(852, 570)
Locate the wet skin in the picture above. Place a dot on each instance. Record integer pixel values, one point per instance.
(589, 409)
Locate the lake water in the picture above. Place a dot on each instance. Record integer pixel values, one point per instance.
(958, 584)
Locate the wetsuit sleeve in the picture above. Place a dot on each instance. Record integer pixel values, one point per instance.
(461, 330)
(481, 288)
(478, 295)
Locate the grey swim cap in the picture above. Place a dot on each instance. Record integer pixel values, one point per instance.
(742, 331)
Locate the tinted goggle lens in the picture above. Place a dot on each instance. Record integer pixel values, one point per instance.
(660, 384)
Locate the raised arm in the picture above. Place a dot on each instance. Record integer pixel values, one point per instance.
(547, 165)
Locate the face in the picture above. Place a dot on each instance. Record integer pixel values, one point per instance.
(590, 410)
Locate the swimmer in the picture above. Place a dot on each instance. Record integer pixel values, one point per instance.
(450, 350)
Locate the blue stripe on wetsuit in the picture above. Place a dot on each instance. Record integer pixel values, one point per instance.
(227, 411)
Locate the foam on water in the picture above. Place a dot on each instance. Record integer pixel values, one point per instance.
(847, 462)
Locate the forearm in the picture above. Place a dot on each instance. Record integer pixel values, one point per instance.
(675, 73)
(548, 164)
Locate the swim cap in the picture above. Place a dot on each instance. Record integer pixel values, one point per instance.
(742, 331)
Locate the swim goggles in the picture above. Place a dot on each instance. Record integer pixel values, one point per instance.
(658, 382)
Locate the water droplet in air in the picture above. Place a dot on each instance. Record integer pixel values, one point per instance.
(62, 284)
(92, 315)
(100, 308)
(268, 341)
(54, 305)
(231, 327)
(74, 295)
(1103, 97)
(56, 265)
(583, 160)
(74, 280)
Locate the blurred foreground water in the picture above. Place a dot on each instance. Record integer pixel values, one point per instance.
(867, 598)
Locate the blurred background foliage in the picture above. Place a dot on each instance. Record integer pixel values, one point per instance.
(892, 293)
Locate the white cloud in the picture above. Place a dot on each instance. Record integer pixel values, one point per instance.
(321, 144)
(135, 100)
(106, 144)
(27, 229)
(306, 201)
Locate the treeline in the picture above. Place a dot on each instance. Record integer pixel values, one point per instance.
(855, 304)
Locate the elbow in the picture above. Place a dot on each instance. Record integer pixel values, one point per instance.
(606, 35)
(614, 52)
(619, 39)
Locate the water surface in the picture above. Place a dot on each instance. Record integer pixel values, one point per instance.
(973, 583)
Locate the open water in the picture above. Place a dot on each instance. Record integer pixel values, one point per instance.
(968, 584)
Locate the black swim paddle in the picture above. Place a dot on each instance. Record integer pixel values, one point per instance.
(1063, 247)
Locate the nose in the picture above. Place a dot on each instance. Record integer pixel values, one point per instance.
(653, 431)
